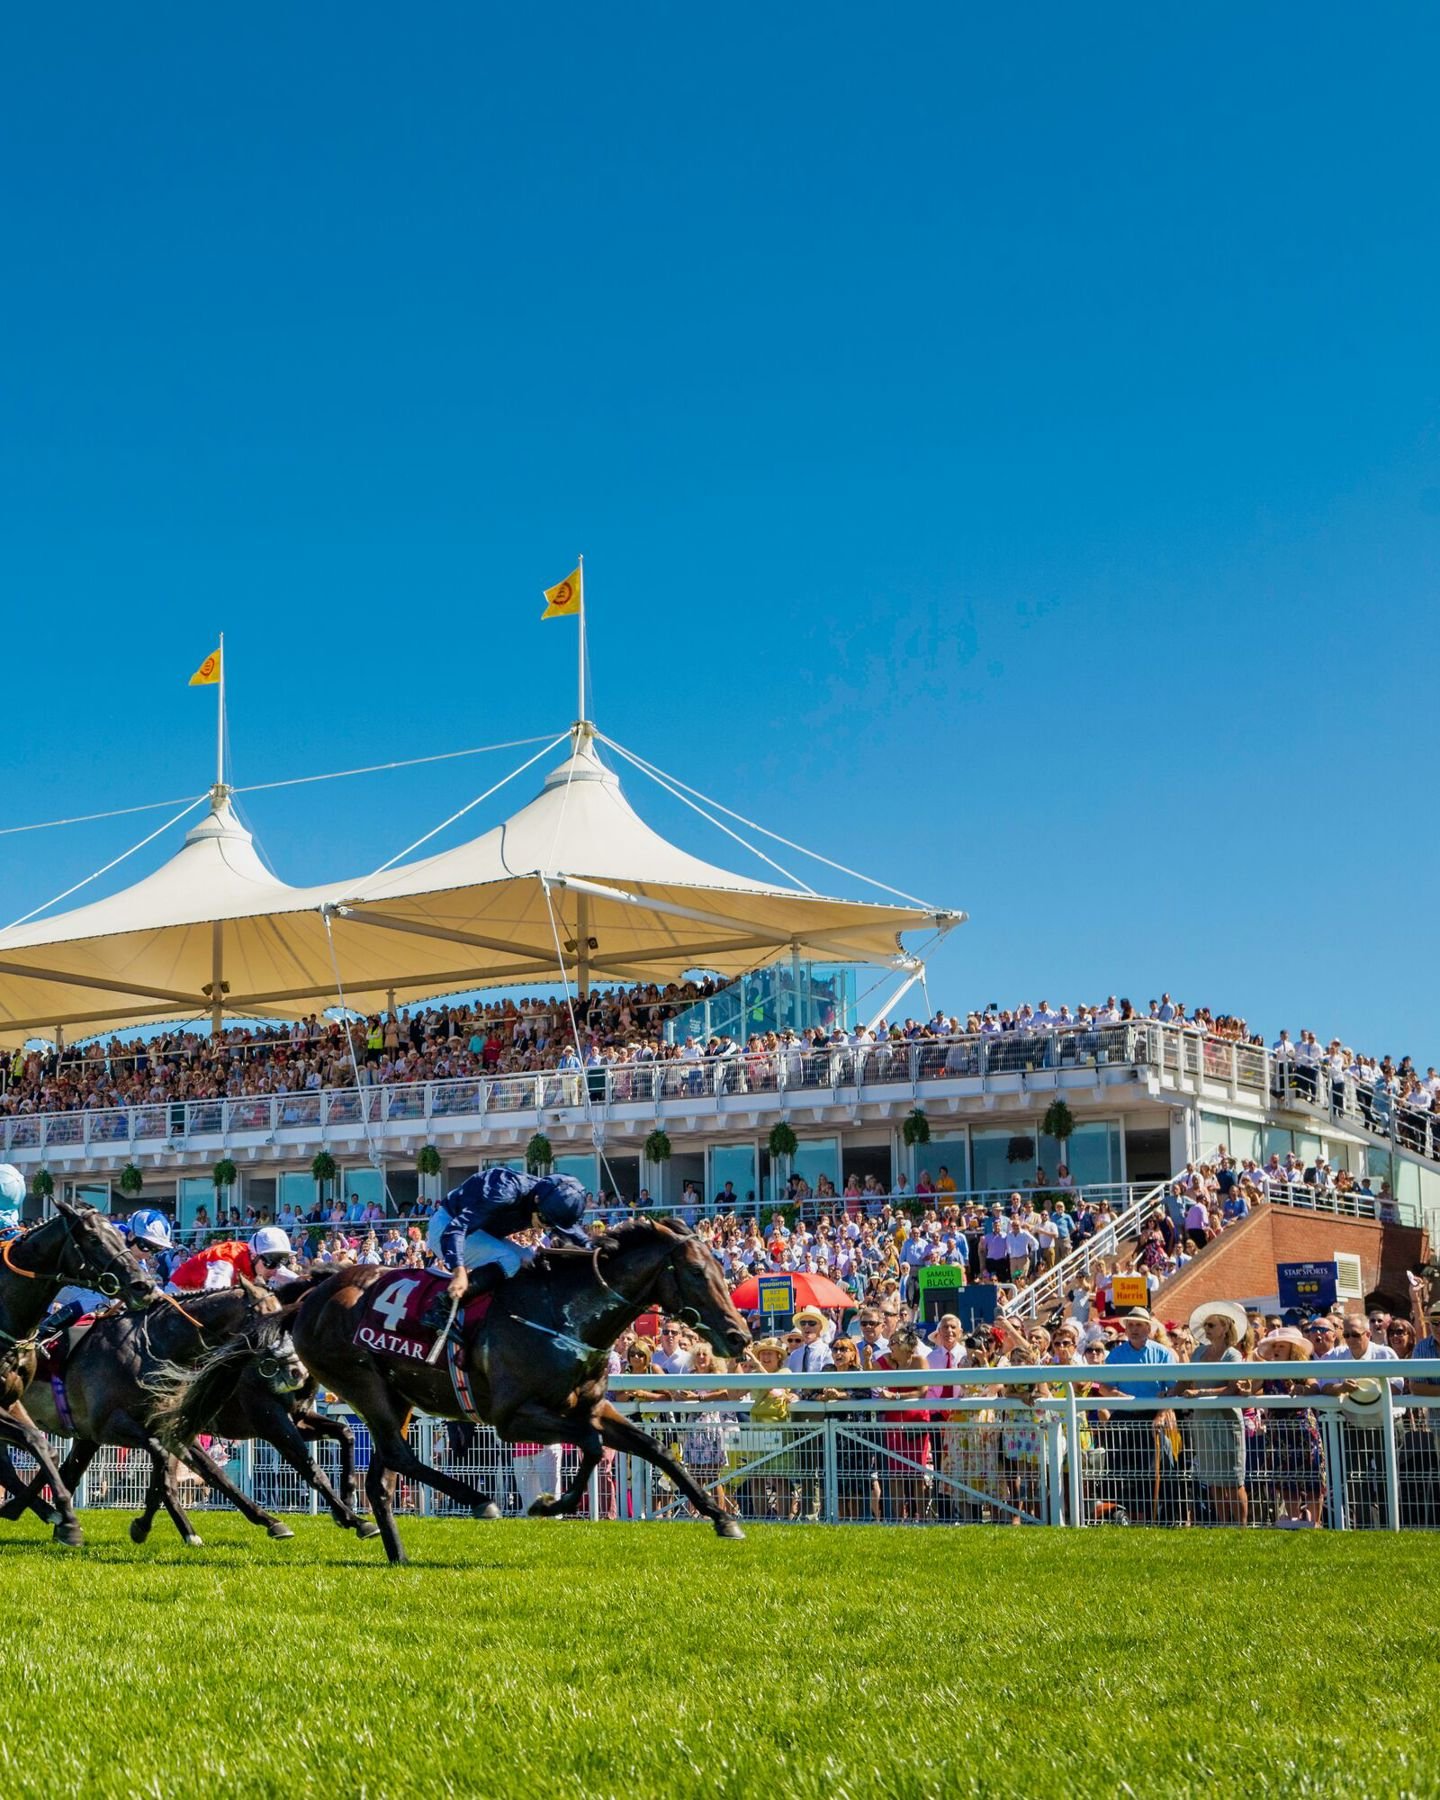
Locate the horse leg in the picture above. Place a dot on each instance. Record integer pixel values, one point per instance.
(315, 1424)
(378, 1492)
(164, 1491)
(20, 1429)
(537, 1424)
(274, 1424)
(25, 1494)
(621, 1434)
(215, 1478)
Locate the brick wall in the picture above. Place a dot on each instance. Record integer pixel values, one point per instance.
(1240, 1263)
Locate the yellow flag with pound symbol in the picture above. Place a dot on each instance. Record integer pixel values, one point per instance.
(565, 598)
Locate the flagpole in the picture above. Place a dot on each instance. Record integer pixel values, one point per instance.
(220, 721)
(581, 714)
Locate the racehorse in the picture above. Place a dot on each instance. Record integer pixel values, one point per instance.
(80, 1246)
(114, 1386)
(535, 1368)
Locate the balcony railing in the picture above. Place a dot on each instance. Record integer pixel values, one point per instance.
(1181, 1057)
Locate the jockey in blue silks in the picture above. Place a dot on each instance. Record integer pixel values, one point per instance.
(473, 1222)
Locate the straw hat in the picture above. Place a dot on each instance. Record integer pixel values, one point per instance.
(810, 1315)
(1223, 1309)
(1286, 1334)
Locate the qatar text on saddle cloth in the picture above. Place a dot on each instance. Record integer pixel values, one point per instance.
(391, 1321)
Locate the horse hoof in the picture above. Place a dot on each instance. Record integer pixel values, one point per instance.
(488, 1511)
(277, 1530)
(70, 1535)
(728, 1528)
(139, 1531)
(367, 1528)
(194, 1541)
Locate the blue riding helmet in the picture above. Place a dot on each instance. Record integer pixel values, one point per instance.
(560, 1202)
(150, 1229)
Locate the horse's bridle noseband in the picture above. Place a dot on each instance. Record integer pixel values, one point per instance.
(107, 1282)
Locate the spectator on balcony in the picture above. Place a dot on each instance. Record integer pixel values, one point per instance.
(1197, 1219)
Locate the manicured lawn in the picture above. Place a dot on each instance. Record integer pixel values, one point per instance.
(538, 1657)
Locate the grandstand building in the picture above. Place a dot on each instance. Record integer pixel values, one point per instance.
(572, 894)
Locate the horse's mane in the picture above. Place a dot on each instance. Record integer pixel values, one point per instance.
(617, 1238)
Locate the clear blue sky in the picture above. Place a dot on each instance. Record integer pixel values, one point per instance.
(1004, 444)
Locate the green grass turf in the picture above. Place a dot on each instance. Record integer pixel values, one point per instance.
(541, 1657)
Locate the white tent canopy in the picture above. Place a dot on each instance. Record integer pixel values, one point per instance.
(576, 878)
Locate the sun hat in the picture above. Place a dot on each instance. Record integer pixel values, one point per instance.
(1285, 1334)
(1224, 1309)
(1363, 1406)
(810, 1315)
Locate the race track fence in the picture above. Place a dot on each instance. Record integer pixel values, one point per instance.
(988, 1449)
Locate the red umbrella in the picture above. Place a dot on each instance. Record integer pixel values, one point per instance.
(810, 1290)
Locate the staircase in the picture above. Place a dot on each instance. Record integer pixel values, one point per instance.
(1116, 1239)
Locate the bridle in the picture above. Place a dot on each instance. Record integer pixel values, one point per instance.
(107, 1282)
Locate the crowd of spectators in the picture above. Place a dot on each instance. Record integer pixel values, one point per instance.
(622, 1033)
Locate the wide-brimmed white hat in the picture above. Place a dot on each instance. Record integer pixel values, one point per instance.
(1363, 1406)
(810, 1315)
(1224, 1309)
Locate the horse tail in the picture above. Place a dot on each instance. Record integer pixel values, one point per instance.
(184, 1399)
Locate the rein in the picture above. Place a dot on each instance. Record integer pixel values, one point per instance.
(15, 1269)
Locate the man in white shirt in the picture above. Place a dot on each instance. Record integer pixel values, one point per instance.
(669, 1358)
(813, 1353)
(1356, 1345)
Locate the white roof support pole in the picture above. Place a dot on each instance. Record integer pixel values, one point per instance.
(895, 999)
(582, 946)
(217, 971)
(648, 903)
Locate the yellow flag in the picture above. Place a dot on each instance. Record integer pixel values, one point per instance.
(565, 598)
(209, 671)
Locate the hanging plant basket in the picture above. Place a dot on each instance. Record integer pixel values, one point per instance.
(323, 1166)
(657, 1146)
(224, 1174)
(427, 1160)
(782, 1141)
(1022, 1149)
(131, 1180)
(1058, 1123)
(538, 1153)
(916, 1129)
(42, 1184)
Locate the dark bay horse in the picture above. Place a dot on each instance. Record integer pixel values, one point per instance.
(120, 1370)
(537, 1366)
(80, 1246)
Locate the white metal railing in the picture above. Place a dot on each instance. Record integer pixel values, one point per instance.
(785, 1072)
(963, 1445)
(1178, 1055)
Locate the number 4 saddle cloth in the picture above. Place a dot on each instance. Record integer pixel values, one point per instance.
(391, 1320)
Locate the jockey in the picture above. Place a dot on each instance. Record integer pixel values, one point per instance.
(471, 1224)
(149, 1231)
(12, 1198)
(217, 1265)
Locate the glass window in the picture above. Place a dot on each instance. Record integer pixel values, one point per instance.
(950, 1152)
(581, 1167)
(197, 1191)
(816, 1157)
(296, 1190)
(1244, 1140)
(1091, 1153)
(361, 1184)
(93, 1193)
(1002, 1159)
(1278, 1142)
(734, 1163)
